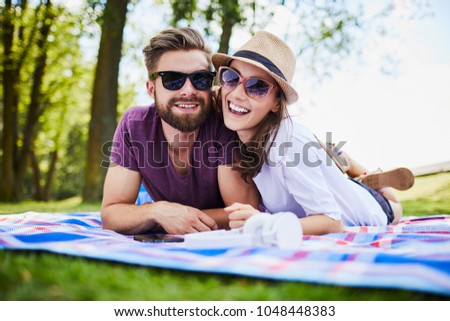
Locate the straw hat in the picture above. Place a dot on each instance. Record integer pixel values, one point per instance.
(268, 52)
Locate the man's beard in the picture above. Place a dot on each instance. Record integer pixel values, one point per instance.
(185, 122)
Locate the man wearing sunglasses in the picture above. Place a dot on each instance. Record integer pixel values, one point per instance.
(178, 148)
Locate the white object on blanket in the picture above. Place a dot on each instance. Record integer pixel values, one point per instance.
(282, 230)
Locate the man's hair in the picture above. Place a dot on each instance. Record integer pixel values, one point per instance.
(171, 40)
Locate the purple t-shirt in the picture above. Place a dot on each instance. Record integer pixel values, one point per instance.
(139, 145)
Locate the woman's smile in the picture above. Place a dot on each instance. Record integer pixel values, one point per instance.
(238, 110)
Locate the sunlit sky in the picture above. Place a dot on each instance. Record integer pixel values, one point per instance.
(388, 120)
(391, 121)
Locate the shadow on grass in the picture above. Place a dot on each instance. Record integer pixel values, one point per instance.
(70, 205)
(32, 276)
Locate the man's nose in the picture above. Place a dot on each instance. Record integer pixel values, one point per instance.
(188, 89)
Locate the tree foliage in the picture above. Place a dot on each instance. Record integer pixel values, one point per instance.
(217, 14)
(42, 78)
(49, 133)
(322, 33)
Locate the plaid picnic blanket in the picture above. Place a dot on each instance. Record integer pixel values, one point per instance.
(414, 255)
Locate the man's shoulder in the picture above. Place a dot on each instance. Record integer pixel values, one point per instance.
(137, 113)
(215, 120)
(214, 125)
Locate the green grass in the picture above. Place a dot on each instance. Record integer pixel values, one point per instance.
(44, 276)
(429, 195)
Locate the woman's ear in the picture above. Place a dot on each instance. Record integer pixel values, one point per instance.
(277, 106)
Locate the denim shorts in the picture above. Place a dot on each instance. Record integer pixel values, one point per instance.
(384, 203)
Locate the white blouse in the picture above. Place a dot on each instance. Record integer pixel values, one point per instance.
(300, 178)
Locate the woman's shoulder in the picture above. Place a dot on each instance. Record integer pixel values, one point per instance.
(291, 130)
(290, 140)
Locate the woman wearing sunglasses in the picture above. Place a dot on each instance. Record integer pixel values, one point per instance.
(283, 157)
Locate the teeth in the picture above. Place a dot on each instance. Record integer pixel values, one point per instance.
(238, 109)
(186, 106)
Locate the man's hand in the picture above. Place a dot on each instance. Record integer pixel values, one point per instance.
(180, 219)
(239, 214)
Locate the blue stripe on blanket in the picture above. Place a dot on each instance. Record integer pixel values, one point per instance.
(49, 237)
(414, 255)
(74, 221)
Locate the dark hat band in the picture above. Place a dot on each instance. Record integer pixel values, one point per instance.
(261, 59)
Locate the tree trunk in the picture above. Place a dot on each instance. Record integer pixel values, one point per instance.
(50, 175)
(35, 108)
(230, 16)
(36, 176)
(104, 98)
(227, 27)
(9, 80)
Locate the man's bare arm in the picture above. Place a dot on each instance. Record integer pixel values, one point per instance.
(119, 213)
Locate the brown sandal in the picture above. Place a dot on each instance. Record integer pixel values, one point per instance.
(399, 178)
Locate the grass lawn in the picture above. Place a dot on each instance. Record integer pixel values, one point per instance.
(45, 276)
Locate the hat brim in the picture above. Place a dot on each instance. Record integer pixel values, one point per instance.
(220, 59)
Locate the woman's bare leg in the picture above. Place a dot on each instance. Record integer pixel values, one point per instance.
(356, 170)
(397, 208)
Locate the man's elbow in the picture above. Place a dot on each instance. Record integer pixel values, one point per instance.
(106, 219)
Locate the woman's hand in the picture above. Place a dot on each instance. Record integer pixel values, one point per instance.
(239, 214)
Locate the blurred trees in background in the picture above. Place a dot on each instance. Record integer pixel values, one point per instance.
(104, 96)
(43, 92)
(59, 108)
(225, 13)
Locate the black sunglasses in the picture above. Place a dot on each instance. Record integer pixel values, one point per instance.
(253, 87)
(174, 80)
